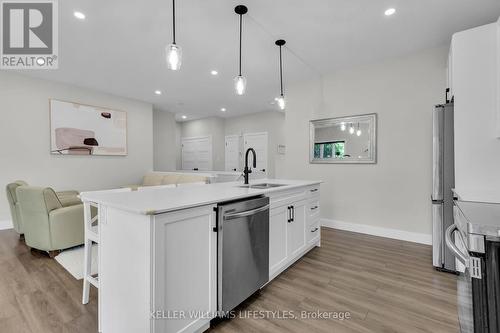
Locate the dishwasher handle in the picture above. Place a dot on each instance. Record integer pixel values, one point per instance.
(246, 213)
(463, 258)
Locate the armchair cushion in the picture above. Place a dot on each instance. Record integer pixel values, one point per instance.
(67, 227)
(69, 198)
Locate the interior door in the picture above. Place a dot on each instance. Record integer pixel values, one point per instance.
(197, 153)
(233, 153)
(278, 220)
(259, 142)
(297, 229)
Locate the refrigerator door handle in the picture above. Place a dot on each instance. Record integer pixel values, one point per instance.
(463, 258)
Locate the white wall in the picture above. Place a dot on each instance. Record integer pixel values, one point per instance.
(395, 192)
(25, 137)
(166, 140)
(212, 126)
(271, 122)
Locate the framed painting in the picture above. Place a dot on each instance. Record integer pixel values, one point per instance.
(78, 129)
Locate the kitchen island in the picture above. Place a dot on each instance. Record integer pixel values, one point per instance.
(158, 249)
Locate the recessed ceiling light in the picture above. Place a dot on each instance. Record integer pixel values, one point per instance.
(223, 109)
(184, 117)
(214, 72)
(158, 92)
(79, 15)
(390, 11)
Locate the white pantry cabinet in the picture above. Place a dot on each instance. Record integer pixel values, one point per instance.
(291, 222)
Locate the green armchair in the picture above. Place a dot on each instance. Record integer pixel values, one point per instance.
(14, 204)
(67, 198)
(50, 221)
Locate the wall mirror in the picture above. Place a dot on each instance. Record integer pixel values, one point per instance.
(344, 140)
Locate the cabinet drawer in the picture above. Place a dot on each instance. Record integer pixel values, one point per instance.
(313, 208)
(285, 198)
(313, 232)
(313, 191)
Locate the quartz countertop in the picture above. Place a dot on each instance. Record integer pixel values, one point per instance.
(482, 218)
(161, 200)
(478, 195)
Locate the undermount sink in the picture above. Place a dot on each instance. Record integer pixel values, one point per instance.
(262, 186)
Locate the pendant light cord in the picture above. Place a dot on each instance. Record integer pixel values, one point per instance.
(281, 74)
(241, 21)
(173, 20)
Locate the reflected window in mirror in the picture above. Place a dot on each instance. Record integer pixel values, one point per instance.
(344, 140)
(335, 149)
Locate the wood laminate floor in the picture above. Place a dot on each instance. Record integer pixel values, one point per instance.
(386, 286)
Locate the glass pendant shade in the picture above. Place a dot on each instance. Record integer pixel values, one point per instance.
(281, 102)
(240, 84)
(351, 130)
(174, 57)
(358, 132)
(342, 127)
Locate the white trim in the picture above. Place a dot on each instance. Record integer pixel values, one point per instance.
(6, 224)
(408, 236)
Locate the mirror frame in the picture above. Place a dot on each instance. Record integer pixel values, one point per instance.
(326, 121)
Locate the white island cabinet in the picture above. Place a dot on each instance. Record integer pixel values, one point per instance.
(158, 250)
(159, 275)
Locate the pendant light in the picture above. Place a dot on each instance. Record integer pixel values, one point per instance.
(342, 126)
(351, 129)
(358, 132)
(281, 99)
(240, 83)
(174, 51)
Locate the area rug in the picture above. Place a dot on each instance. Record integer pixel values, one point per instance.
(72, 261)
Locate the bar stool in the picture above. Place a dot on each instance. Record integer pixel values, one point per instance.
(92, 237)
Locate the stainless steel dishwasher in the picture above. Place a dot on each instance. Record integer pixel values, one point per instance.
(242, 250)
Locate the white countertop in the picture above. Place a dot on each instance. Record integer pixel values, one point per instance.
(478, 195)
(162, 200)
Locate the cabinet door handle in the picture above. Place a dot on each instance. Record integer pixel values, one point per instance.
(315, 207)
(314, 190)
(315, 229)
(289, 214)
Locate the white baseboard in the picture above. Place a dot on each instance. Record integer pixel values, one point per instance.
(6, 224)
(414, 237)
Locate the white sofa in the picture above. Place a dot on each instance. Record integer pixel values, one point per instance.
(156, 178)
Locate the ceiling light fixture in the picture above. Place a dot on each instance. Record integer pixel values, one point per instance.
(390, 11)
(158, 92)
(79, 15)
(174, 51)
(240, 83)
(184, 117)
(223, 109)
(214, 72)
(281, 99)
(342, 126)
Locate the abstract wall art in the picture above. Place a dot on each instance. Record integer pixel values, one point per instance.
(78, 129)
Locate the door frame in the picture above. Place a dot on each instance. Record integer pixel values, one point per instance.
(239, 136)
(210, 149)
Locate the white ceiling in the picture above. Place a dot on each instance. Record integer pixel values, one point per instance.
(119, 47)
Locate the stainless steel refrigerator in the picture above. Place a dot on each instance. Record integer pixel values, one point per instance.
(443, 179)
